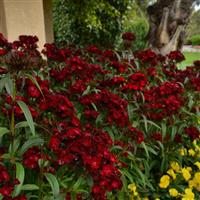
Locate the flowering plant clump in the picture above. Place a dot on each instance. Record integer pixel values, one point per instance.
(90, 124)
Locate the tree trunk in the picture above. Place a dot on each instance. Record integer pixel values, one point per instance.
(168, 20)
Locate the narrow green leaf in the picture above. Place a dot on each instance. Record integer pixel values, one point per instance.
(164, 130)
(87, 90)
(22, 124)
(27, 115)
(3, 131)
(94, 106)
(152, 123)
(78, 183)
(20, 174)
(173, 133)
(9, 85)
(145, 148)
(3, 82)
(36, 141)
(29, 187)
(53, 183)
(13, 147)
(142, 176)
(145, 123)
(127, 174)
(150, 149)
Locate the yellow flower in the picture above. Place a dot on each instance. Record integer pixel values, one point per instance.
(171, 173)
(173, 192)
(197, 176)
(196, 181)
(183, 151)
(189, 195)
(189, 169)
(164, 181)
(146, 198)
(186, 173)
(198, 120)
(157, 198)
(132, 187)
(191, 152)
(197, 164)
(175, 166)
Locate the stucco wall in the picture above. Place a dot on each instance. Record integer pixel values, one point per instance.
(30, 17)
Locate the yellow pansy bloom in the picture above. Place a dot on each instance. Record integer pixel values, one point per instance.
(191, 152)
(196, 181)
(183, 151)
(186, 173)
(189, 169)
(173, 192)
(189, 195)
(132, 187)
(171, 173)
(164, 181)
(175, 166)
(197, 164)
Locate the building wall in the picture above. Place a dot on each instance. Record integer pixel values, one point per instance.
(2, 18)
(29, 17)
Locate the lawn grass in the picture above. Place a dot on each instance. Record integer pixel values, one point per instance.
(190, 57)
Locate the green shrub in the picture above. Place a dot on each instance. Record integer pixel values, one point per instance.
(195, 40)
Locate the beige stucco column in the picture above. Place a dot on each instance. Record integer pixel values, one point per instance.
(27, 17)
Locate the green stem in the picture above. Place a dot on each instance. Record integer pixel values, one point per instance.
(12, 124)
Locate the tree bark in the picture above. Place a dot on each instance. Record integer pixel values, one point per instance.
(168, 20)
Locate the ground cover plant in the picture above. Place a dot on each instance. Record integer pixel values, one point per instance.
(97, 124)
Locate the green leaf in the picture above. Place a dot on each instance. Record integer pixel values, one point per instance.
(20, 174)
(53, 183)
(3, 131)
(173, 133)
(36, 141)
(3, 82)
(29, 187)
(22, 124)
(9, 85)
(127, 174)
(145, 123)
(87, 90)
(152, 123)
(142, 176)
(164, 130)
(94, 106)
(78, 183)
(145, 148)
(27, 115)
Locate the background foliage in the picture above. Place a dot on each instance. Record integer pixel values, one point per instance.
(100, 23)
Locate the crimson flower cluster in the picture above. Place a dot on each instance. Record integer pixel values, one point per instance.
(192, 132)
(7, 185)
(114, 106)
(164, 100)
(128, 36)
(81, 99)
(88, 149)
(136, 82)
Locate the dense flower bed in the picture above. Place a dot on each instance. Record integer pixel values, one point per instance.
(90, 124)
